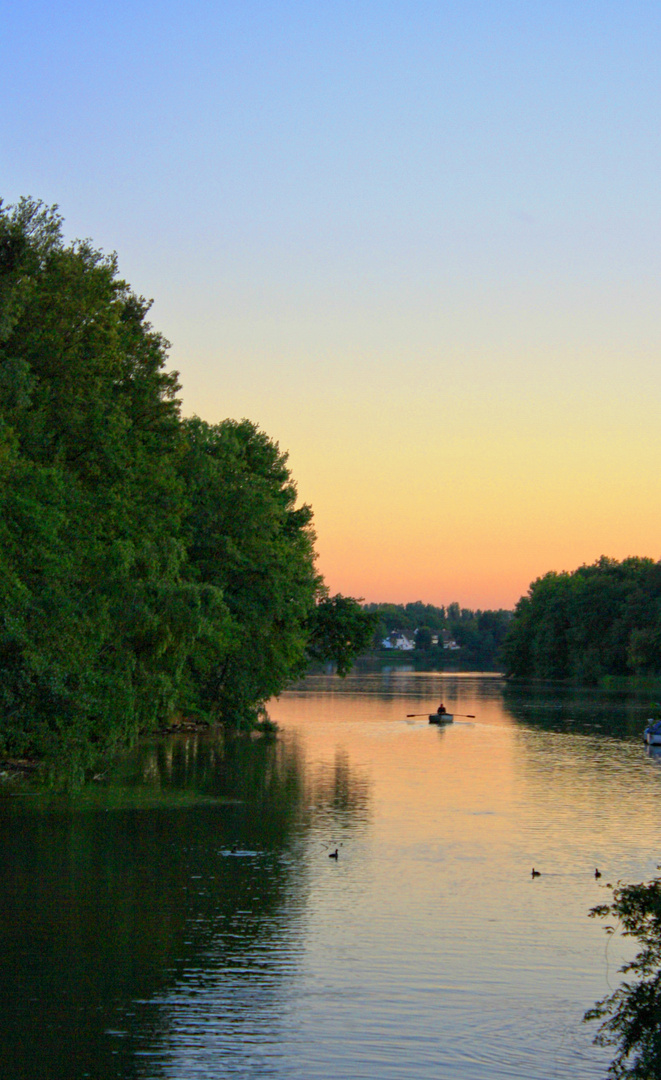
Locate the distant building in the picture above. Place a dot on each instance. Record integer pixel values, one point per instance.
(398, 641)
(448, 642)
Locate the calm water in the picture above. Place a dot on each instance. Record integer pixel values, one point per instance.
(182, 919)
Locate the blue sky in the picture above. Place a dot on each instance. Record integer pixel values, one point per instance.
(362, 222)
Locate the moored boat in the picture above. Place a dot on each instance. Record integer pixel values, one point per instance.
(441, 718)
(652, 733)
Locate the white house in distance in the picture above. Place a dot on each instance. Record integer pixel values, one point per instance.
(403, 643)
(398, 641)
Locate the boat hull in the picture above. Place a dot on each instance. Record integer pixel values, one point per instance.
(441, 718)
(652, 738)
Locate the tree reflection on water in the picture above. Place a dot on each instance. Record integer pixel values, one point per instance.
(193, 846)
(561, 707)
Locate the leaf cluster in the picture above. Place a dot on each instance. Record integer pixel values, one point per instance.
(631, 1016)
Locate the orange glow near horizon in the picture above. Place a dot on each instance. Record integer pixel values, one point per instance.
(448, 459)
(478, 520)
(408, 508)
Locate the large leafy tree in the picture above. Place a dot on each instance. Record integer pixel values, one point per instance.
(247, 538)
(600, 619)
(147, 564)
(96, 622)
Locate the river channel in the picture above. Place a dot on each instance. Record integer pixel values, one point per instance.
(180, 918)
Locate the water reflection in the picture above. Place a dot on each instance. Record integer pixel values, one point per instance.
(398, 683)
(558, 707)
(181, 918)
(338, 794)
(185, 860)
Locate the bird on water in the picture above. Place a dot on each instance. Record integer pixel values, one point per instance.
(536, 873)
(597, 873)
(334, 854)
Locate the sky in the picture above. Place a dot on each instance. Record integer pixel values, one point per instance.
(417, 242)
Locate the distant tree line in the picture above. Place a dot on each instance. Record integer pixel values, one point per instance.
(150, 565)
(603, 619)
(479, 634)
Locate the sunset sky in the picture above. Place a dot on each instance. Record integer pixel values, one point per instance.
(417, 242)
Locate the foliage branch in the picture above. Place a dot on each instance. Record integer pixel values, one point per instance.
(631, 1016)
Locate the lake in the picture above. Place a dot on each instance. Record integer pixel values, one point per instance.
(180, 918)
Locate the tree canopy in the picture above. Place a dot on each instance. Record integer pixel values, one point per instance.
(603, 619)
(149, 564)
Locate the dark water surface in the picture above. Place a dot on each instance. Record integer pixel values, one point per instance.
(181, 918)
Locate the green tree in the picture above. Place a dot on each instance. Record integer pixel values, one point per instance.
(246, 539)
(600, 619)
(339, 631)
(148, 564)
(631, 1016)
(423, 638)
(96, 622)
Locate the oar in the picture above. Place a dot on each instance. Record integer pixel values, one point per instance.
(467, 715)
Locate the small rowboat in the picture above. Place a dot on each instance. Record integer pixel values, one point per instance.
(441, 718)
(652, 733)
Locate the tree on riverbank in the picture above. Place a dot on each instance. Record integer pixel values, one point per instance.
(149, 564)
(631, 1016)
(603, 619)
(339, 630)
(246, 539)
